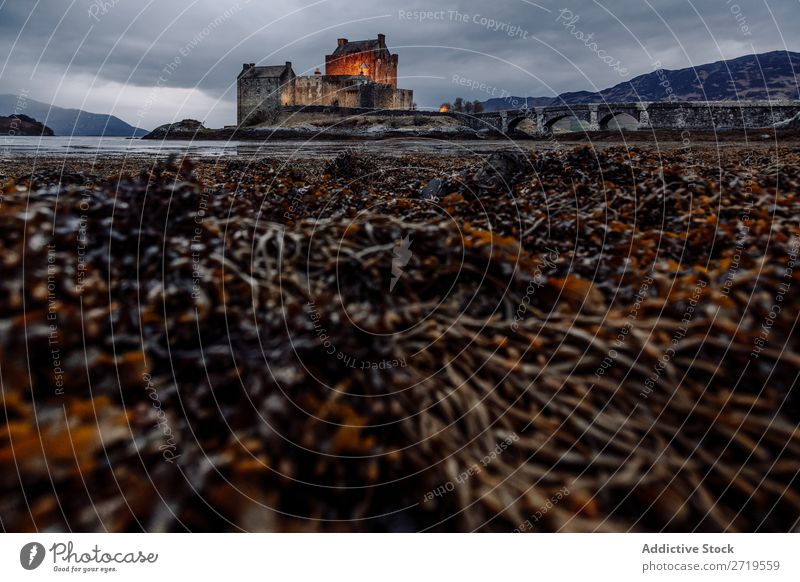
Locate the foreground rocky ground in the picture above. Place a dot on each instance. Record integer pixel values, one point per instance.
(580, 340)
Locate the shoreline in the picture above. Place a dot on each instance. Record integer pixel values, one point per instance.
(621, 136)
(38, 152)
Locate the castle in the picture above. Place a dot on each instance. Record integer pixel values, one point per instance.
(358, 74)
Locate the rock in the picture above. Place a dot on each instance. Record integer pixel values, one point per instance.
(505, 166)
(347, 165)
(433, 189)
(793, 123)
(185, 125)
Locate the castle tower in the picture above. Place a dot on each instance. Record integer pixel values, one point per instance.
(368, 57)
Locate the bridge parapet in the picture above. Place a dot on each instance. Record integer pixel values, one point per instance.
(698, 115)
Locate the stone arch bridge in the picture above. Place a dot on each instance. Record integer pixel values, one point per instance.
(701, 115)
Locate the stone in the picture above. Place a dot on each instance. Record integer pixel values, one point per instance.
(694, 115)
(433, 189)
(185, 125)
(792, 123)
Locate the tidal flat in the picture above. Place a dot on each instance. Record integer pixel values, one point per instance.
(215, 344)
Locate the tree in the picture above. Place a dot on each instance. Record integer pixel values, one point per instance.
(468, 107)
(458, 105)
(477, 106)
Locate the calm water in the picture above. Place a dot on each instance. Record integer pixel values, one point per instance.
(115, 146)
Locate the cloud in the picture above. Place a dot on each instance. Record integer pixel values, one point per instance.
(113, 53)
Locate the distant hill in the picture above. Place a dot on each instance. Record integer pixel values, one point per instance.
(22, 125)
(69, 121)
(774, 76)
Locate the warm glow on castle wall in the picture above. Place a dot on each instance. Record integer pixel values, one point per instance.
(349, 65)
(370, 59)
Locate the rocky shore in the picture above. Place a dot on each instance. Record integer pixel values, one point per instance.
(367, 128)
(317, 126)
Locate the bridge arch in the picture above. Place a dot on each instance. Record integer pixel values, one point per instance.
(619, 116)
(550, 122)
(519, 123)
(648, 115)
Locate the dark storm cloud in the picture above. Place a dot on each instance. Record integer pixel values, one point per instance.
(90, 52)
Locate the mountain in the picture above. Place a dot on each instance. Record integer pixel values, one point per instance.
(768, 76)
(22, 125)
(68, 121)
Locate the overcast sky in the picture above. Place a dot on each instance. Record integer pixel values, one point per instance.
(155, 62)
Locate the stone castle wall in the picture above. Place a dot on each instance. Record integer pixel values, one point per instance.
(386, 97)
(326, 91)
(350, 92)
(378, 69)
(369, 58)
(260, 99)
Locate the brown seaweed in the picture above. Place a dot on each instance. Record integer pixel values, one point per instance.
(218, 346)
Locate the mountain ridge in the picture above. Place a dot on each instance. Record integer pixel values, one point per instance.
(765, 76)
(68, 121)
